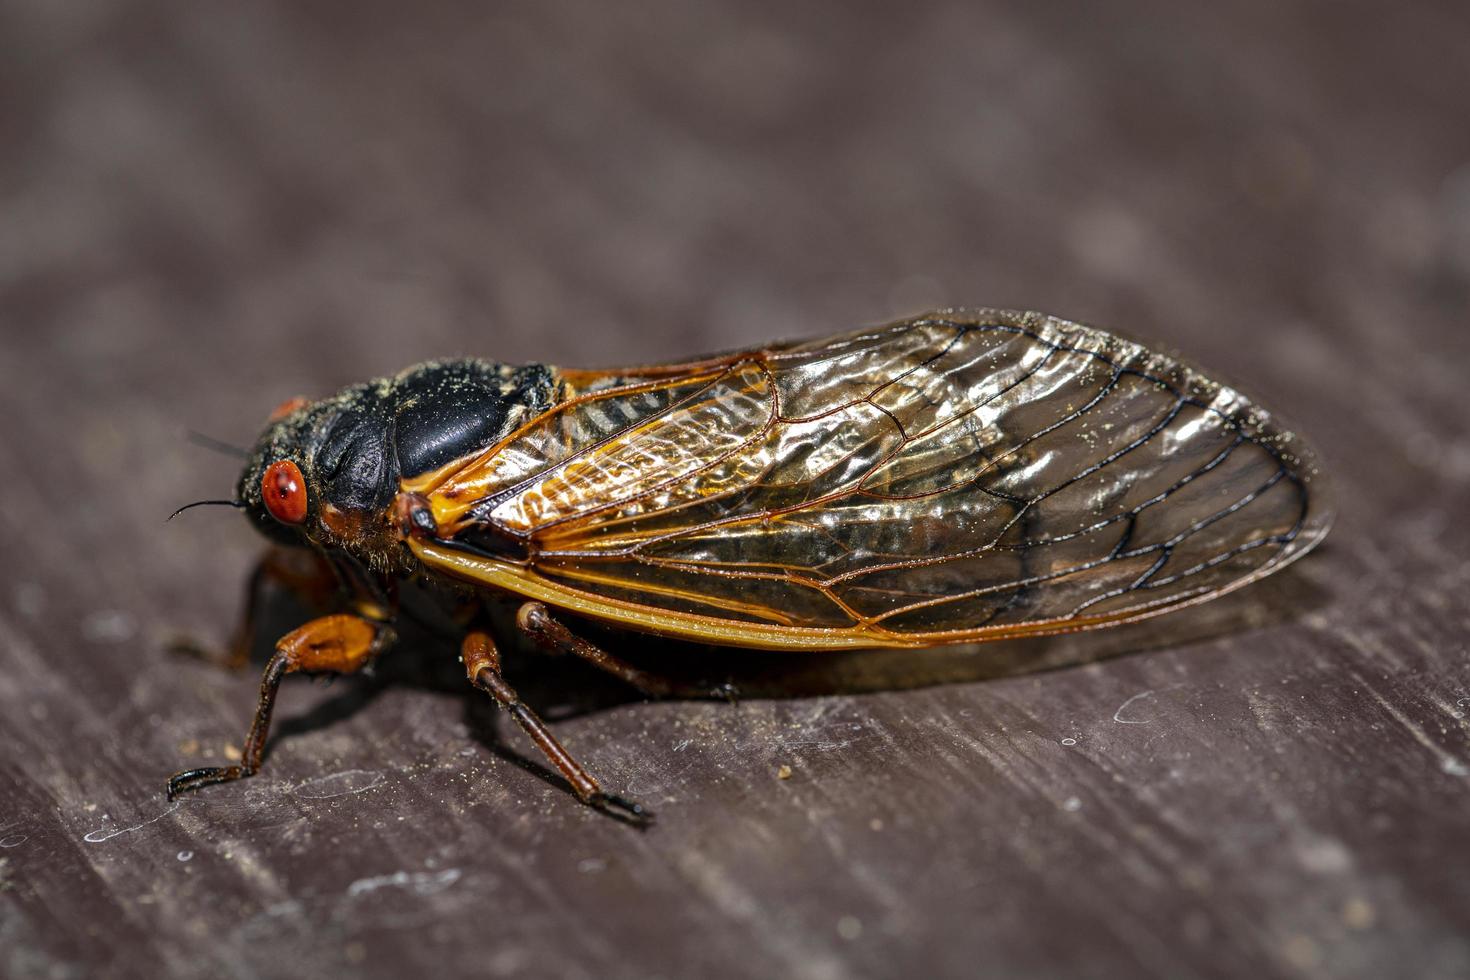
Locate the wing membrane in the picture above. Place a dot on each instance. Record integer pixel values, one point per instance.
(955, 476)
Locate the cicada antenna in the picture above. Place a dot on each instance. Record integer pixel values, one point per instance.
(205, 503)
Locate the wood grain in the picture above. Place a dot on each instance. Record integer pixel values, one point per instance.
(208, 209)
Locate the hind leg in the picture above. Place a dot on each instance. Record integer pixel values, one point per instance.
(535, 621)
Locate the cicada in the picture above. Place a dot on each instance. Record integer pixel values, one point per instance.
(960, 476)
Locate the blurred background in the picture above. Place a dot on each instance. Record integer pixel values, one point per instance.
(206, 208)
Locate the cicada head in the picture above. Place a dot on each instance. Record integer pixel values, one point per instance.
(321, 470)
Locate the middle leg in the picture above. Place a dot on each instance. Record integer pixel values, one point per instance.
(482, 664)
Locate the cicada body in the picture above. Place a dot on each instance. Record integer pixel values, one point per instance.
(960, 476)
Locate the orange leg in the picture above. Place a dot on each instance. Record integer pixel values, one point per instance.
(300, 572)
(482, 665)
(338, 644)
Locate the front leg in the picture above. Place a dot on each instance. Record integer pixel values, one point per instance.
(304, 574)
(337, 644)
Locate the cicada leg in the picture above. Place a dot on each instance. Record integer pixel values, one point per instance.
(299, 572)
(337, 644)
(535, 621)
(482, 666)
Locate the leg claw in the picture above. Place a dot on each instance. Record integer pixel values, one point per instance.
(182, 782)
(629, 812)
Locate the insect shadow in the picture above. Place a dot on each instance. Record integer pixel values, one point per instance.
(563, 687)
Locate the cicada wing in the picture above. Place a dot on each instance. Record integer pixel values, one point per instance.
(955, 476)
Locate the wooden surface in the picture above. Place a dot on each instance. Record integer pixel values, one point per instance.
(207, 208)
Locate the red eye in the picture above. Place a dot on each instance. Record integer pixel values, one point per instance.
(284, 491)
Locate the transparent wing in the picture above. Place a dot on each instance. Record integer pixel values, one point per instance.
(956, 476)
